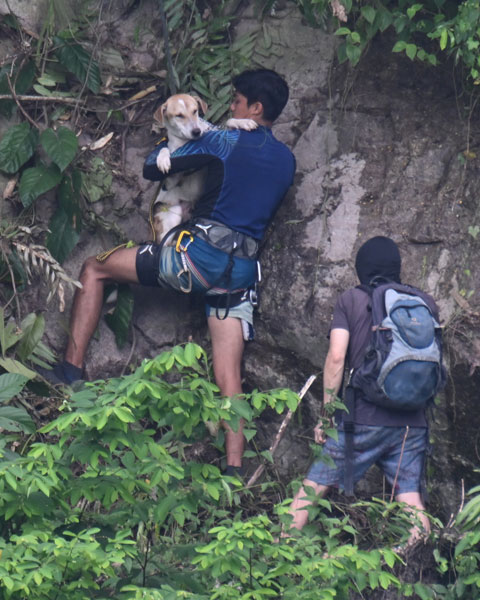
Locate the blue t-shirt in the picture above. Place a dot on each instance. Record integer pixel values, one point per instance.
(248, 175)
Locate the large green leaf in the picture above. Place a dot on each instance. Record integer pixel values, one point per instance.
(33, 327)
(62, 238)
(79, 62)
(16, 419)
(119, 320)
(60, 145)
(15, 366)
(17, 146)
(37, 181)
(11, 384)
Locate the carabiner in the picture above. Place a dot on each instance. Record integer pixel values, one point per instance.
(178, 245)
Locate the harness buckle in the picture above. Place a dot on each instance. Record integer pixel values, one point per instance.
(178, 246)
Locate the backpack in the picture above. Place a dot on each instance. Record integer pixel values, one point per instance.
(402, 367)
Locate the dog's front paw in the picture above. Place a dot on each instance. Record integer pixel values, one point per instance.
(246, 124)
(163, 160)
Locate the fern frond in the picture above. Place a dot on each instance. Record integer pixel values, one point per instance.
(37, 259)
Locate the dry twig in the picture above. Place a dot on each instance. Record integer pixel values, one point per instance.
(259, 470)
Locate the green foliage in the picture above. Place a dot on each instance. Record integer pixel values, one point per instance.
(60, 145)
(78, 61)
(17, 147)
(427, 31)
(206, 58)
(35, 181)
(23, 344)
(110, 501)
(119, 319)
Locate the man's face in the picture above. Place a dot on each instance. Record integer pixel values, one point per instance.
(240, 108)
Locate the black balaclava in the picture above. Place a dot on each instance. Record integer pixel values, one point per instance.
(378, 257)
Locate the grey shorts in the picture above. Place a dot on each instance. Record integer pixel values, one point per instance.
(381, 446)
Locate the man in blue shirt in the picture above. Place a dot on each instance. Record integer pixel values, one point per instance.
(248, 175)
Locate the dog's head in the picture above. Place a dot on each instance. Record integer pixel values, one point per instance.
(179, 114)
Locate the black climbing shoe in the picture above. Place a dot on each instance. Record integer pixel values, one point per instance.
(62, 373)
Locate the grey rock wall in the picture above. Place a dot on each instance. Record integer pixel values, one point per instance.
(380, 150)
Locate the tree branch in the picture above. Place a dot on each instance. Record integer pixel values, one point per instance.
(281, 431)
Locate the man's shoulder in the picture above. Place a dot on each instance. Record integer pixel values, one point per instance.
(353, 295)
(216, 141)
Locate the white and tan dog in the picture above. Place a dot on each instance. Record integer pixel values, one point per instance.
(180, 115)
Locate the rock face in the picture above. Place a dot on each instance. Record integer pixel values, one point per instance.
(381, 150)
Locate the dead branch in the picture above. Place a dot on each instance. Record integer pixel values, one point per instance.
(259, 470)
(34, 98)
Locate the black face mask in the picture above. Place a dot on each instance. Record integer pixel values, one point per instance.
(378, 259)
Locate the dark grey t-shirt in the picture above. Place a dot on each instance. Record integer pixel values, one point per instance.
(352, 313)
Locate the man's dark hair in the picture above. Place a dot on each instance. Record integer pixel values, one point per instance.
(265, 86)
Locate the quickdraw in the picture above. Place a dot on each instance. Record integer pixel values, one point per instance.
(182, 248)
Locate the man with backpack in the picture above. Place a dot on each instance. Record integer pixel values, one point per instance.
(389, 336)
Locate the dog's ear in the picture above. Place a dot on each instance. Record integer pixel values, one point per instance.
(201, 103)
(159, 114)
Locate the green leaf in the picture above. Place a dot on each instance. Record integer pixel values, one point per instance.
(412, 10)
(60, 145)
(369, 13)
(14, 366)
(411, 51)
(62, 238)
(384, 19)
(119, 321)
(443, 39)
(399, 46)
(353, 53)
(13, 418)
(42, 91)
(36, 181)
(33, 327)
(11, 384)
(124, 414)
(242, 408)
(342, 31)
(8, 334)
(79, 62)
(17, 146)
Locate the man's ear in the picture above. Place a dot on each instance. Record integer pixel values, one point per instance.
(159, 114)
(256, 108)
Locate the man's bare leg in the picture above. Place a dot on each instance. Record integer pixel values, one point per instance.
(227, 351)
(300, 503)
(414, 500)
(87, 304)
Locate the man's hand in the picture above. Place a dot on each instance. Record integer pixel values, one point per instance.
(319, 433)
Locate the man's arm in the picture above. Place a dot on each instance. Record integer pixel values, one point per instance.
(190, 162)
(333, 372)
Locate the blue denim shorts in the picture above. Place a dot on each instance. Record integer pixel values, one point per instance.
(206, 266)
(381, 446)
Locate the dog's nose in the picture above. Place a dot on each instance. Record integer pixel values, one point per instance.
(196, 132)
